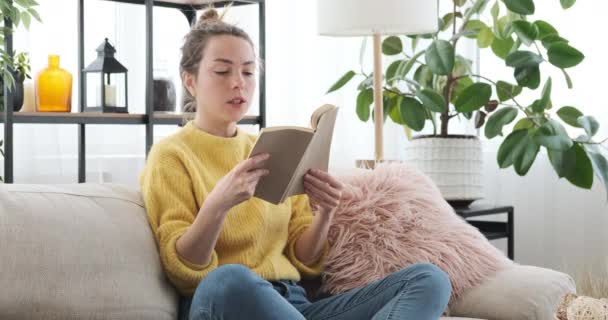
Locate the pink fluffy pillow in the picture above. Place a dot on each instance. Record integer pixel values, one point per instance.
(396, 218)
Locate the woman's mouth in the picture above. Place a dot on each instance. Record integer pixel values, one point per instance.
(237, 102)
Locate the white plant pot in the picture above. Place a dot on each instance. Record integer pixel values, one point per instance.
(454, 163)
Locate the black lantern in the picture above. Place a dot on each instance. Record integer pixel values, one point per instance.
(110, 93)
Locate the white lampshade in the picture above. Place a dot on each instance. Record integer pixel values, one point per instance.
(368, 17)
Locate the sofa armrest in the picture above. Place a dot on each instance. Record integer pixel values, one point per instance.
(517, 293)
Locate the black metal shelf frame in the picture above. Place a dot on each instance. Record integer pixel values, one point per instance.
(150, 118)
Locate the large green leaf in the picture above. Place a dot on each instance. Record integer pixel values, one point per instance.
(498, 120)
(563, 162)
(504, 27)
(590, 124)
(525, 7)
(599, 161)
(473, 97)
(392, 45)
(461, 85)
(570, 115)
(432, 100)
(392, 70)
(440, 57)
(462, 66)
(528, 77)
(393, 109)
(527, 154)
(552, 135)
(566, 4)
(545, 100)
(473, 27)
(523, 123)
(502, 47)
(582, 176)
(544, 29)
(342, 81)
(364, 99)
(526, 31)
(412, 113)
(424, 76)
(551, 39)
(523, 59)
(507, 91)
(485, 37)
(562, 55)
(510, 148)
(405, 67)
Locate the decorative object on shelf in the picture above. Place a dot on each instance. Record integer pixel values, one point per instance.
(375, 18)
(54, 88)
(29, 97)
(22, 70)
(163, 88)
(437, 83)
(110, 94)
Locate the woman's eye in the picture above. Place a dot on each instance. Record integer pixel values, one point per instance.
(249, 74)
(221, 72)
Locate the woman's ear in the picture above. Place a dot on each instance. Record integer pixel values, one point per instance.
(189, 83)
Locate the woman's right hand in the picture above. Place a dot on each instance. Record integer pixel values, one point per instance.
(238, 185)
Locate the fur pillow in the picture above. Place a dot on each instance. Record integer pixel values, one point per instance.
(398, 217)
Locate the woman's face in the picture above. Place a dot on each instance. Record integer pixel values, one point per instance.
(226, 78)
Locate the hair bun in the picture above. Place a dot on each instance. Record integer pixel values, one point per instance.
(208, 17)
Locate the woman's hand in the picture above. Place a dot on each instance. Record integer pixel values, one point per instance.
(323, 190)
(238, 185)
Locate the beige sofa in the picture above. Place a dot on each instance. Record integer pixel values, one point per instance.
(85, 251)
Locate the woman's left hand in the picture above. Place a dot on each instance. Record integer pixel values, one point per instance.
(323, 190)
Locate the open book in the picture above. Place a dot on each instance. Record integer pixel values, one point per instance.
(294, 150)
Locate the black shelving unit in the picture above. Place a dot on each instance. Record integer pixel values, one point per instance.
(150, 118)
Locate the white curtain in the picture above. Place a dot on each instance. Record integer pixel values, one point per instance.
(556, 224)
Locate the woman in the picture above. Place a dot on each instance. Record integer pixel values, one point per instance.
(233, 256)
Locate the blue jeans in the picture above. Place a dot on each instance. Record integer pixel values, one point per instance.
(233, 292)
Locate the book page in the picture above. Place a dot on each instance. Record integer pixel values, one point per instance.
(317, 153)
(286, 146)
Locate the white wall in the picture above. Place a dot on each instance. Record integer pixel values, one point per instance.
(555, 222)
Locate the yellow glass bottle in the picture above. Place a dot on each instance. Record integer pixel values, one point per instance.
(54, 88)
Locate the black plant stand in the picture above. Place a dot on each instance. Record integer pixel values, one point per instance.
(491, 229)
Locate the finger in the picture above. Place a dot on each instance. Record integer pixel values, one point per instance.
(327, 177)
(252, 162)
(321, 195)
(324, 186)
(317, 199)
(255, 175)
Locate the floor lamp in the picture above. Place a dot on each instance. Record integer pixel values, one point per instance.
(376, 18)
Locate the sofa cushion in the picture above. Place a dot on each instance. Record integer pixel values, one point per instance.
(82, 251)
(395, 218)
(517, 293)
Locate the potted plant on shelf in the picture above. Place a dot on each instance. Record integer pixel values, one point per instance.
(19, 12)
(435, 84)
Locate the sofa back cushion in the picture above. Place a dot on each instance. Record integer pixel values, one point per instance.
(81, 251)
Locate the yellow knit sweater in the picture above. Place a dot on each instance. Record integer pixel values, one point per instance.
(180, 172)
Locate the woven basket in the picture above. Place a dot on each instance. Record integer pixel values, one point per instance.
(454, 163)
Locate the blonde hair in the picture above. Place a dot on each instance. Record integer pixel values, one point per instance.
(209, 24)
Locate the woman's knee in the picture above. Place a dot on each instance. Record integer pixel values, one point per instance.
(431, 279)
(228, 282)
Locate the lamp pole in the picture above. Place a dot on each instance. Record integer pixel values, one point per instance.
(378, 99)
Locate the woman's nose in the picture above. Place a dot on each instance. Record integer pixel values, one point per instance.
(238, 81)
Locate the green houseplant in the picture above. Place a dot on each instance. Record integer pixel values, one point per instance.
(18, 11)
(433, 85)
